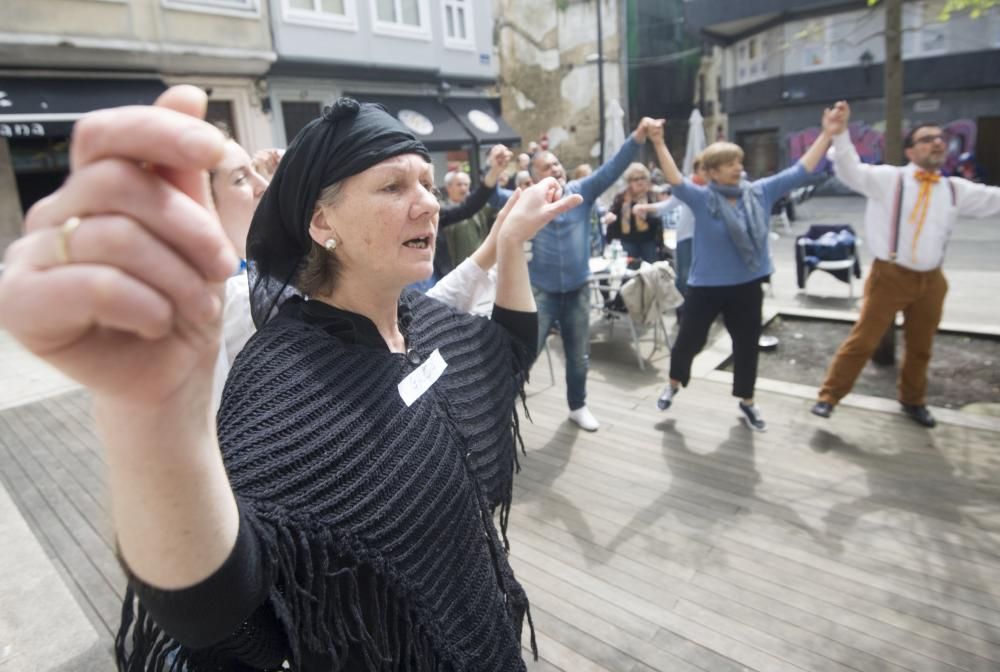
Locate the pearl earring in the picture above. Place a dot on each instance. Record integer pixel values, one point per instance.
(330, 244)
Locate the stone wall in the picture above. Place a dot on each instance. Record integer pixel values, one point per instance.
(548, 74)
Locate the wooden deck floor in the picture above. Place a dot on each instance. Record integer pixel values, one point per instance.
(673, 541)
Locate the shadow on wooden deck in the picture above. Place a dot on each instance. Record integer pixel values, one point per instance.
(673, 541)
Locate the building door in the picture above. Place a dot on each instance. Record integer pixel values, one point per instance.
(40, 166)
(988, 148)
(761, 152)
(220, 114)
(296, 115)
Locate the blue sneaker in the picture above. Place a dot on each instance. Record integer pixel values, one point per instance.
(667, 397)
(752, 418)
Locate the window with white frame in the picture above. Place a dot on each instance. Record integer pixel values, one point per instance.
(326, 13)
(923, 33)
(812, 38)
(750, 62)
(403, 18)
(244, 8)
(457, 23)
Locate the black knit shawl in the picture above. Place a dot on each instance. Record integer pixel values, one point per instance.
(375, 519)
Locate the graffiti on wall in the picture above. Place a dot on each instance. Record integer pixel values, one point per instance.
(870, 142)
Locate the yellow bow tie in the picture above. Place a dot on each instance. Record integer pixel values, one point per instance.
(919, 215)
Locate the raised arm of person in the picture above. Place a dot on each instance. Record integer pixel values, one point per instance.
(521, 218)
(671, 173)
(117, 283)
(870, 181)
(498, 159)
(976, 200)
(469, 283)
(833, 123)
(596, 184)
(660, 208)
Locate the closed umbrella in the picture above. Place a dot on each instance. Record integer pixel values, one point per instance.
(696, 140)
(614, 128)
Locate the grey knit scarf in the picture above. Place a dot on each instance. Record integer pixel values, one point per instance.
(749, 235)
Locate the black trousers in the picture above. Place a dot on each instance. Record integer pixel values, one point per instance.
(740, 306)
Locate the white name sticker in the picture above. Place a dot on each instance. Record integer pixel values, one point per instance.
(414, 385)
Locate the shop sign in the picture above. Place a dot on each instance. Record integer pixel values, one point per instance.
(16, 130)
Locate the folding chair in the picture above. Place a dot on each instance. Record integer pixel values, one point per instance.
(824, 247)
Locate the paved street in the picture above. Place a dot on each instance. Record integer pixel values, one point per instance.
(674, 541)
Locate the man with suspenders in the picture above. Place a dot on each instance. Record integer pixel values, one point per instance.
(909, 216)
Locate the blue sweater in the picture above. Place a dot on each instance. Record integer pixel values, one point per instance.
(715, 261)
(561, 251)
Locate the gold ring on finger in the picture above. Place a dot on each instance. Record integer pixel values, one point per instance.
(65, 232)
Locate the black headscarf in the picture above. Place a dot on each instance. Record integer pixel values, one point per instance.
(349, 138)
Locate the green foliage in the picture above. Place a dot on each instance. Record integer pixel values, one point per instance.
(974, 7)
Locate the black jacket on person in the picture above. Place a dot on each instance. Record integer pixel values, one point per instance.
(452, 214)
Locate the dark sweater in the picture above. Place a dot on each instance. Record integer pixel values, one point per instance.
(366, 537)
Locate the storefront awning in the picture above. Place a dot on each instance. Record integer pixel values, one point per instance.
(481, 117)
(44, 106)
(429, 120)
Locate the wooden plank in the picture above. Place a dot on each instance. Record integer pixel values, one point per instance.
(976, 576)
(37, 499)
(602, 489)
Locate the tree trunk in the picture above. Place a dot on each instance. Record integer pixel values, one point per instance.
(886, 352)
(894, 82)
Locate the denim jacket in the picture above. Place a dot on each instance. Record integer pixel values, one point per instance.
(561, 251)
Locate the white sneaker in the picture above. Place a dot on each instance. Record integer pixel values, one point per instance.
(585, 419)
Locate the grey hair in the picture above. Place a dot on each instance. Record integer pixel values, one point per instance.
(320, 269)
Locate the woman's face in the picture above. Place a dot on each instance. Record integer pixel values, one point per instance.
(638, 185)
(385, 222)
(236, 188)
(728, 174)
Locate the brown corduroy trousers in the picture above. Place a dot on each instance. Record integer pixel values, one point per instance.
(889, 289)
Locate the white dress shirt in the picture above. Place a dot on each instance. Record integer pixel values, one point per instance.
(878, 184)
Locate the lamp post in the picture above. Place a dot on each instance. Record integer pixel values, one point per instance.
(867, 59)
(600, 81)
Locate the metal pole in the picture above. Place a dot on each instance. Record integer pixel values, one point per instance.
(600, 79)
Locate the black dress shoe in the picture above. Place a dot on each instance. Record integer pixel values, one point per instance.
(920, 414)
(822, 409)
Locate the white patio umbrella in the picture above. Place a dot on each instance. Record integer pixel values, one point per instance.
(696, 140)
(614, 128)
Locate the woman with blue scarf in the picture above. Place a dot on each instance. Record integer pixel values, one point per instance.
(731, 258)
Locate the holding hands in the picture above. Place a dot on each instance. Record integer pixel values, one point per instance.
(836, 118)
(528, 210)
(647, 128)
(265, 162)
(117, 280)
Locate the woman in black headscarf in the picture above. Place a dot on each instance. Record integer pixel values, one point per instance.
(366, 433)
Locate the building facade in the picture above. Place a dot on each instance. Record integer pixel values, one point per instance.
(429, 62)
(64, 58)
(782, 61)
(549, 83)
(268, 66)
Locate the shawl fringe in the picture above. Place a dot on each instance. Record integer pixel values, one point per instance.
(330, 608)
